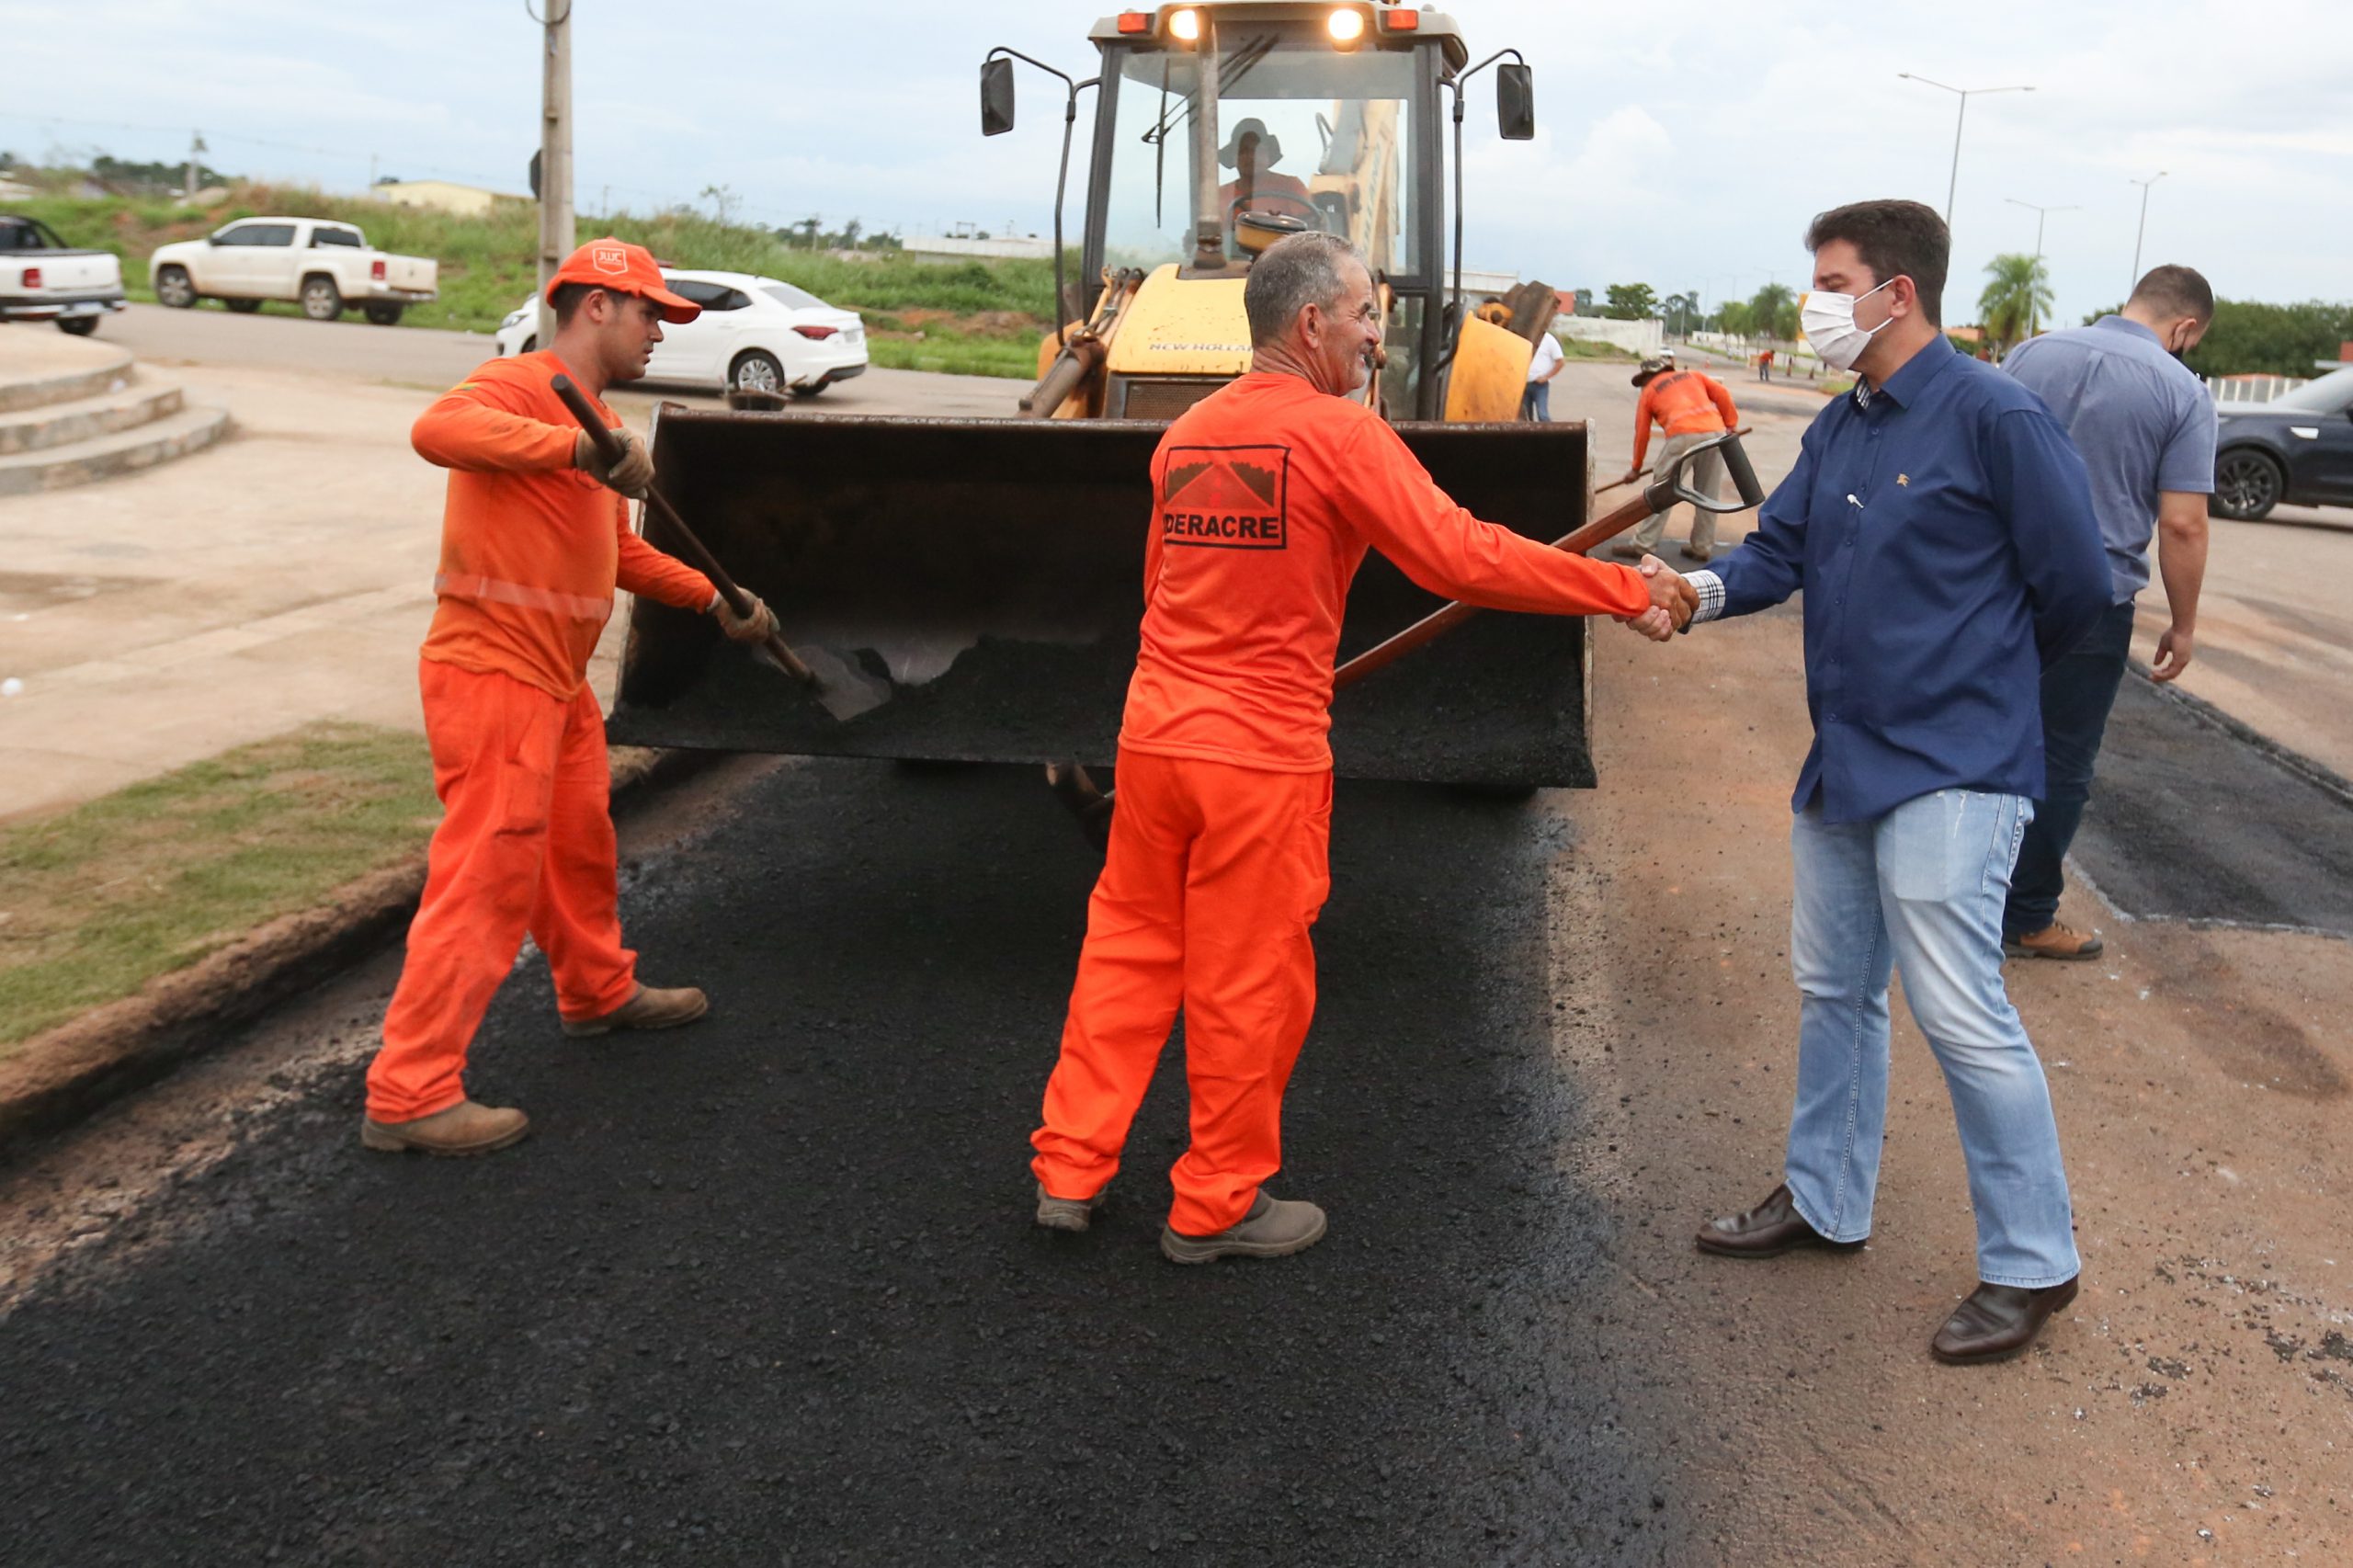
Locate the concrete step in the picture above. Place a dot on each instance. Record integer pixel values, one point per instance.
(41, 365)
(54, 425)
(124, 451)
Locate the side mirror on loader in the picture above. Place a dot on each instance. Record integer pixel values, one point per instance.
(997, 96)
(1515, 102)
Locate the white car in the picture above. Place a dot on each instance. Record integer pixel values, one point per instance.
(755, 334)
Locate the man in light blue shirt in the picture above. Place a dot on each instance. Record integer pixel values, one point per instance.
(2145, 427)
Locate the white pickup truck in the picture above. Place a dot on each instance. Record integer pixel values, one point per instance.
(328, 267)
(43, 278)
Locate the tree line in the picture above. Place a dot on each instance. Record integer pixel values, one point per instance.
(2248, 337)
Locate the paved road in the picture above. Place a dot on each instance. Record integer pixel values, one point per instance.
(767, 1289)
(421, 356)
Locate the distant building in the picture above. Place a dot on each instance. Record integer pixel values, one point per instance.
(1011, 248)
(442, 196)
(1567, 299)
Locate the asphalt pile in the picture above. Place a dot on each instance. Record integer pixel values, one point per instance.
(765, 1289)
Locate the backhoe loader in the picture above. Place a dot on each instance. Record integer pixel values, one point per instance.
(971, 589)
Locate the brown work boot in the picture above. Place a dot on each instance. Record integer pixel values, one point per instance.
(463, 1128)
(1273, 1228)
(1697, 552)
(649, 1009)
(2053, 942)
(1626, 550)
(1068, 1213)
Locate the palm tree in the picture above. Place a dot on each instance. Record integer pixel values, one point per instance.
(2012, 304)
(1773, 310)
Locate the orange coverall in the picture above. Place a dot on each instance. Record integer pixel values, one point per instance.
(531, 551)
(1267, 495)
(1684, 403)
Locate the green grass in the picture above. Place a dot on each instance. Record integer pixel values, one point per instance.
(488, 265)
(957, 355)
(105, 897)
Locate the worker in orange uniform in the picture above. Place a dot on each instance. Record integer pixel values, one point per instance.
(1252, 152)
(534, 540)
(1688, 406)
(1268, 493)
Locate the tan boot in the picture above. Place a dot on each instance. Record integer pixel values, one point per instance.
(463, 1128)
(2053, 942)
(1068, 1213)
(649, 1009)
(1273, 1228)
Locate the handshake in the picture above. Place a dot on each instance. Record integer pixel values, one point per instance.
(1673, 600)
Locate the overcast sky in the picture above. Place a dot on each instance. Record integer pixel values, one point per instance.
(1682, 145)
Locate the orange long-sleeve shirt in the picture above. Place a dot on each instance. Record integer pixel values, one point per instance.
(1683, 402)
(531, 547)
(1266, 495)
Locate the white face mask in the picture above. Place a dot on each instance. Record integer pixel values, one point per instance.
(1828, 323)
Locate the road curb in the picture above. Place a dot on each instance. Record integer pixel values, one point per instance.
(2317, 773)
(62, 1077)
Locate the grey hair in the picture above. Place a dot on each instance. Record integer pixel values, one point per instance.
(1289, 275)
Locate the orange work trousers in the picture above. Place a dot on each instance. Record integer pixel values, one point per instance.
(526, 843)
(1214, 877)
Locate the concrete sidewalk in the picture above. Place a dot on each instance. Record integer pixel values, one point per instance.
(282, 577)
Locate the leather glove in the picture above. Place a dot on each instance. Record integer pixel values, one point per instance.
(757, 627)
(633, 475)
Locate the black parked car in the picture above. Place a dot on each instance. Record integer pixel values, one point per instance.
(2297, 449)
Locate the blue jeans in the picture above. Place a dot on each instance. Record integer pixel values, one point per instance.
(1536, 403)
(2078, 690)
(1922, 888)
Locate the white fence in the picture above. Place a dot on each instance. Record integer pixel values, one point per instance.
(1638, 338)
(2252, 389)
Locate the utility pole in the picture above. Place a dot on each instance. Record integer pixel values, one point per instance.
(195, 149)
(2143, 231)
(556, 238)
(371, 176)
(1953, 182)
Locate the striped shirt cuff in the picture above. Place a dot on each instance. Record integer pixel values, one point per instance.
(1710, 589)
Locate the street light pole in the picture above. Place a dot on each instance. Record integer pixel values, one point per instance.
(1953, 183)
(2142, 232)
(2034, 318)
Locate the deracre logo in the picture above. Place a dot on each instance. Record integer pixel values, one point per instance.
(1226, 498)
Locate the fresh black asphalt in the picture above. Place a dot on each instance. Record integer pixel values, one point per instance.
(2191, 820)
(766, 1290)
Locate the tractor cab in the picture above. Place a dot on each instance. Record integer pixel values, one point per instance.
(1222, 128)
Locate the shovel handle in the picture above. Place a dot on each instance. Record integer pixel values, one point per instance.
(691, 545)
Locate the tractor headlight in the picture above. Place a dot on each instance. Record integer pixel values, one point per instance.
(1345, 26)
(1185, 26)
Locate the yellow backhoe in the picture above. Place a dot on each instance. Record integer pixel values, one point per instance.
(970, 588)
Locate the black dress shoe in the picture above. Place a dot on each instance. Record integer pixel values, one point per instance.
(1997, 1322)
(1770, 1228)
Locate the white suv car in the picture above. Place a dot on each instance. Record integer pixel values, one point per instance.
(756, 334)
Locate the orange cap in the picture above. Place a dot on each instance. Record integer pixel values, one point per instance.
(624, 268)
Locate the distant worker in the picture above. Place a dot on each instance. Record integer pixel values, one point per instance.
(534, 540)
(1764, 366)
(1536, 403)
(1268, 493)
(1251, 151)
(1689, 406)
(2145, 427)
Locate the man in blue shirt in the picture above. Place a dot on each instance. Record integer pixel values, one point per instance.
(2146, 428)
(1941, 530)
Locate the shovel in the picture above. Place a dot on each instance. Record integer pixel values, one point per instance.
(1662, 492)
(841, 698)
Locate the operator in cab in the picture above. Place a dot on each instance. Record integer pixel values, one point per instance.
(1267, 495)
(1252, 152)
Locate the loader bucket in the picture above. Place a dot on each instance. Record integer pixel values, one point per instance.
(977, 585)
